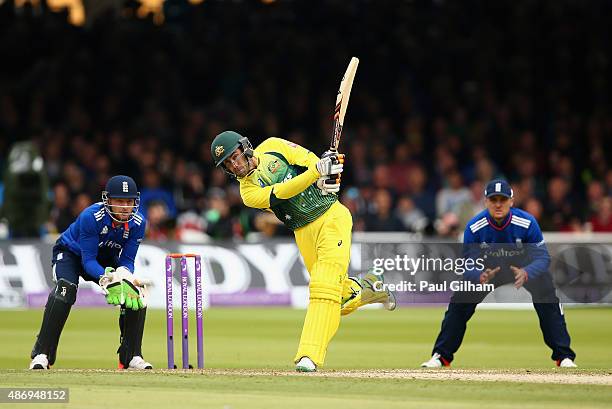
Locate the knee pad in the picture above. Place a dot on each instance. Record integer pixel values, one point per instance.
(65, 291)
(325, 291)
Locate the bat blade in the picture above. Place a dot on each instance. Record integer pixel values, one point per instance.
(342, 99)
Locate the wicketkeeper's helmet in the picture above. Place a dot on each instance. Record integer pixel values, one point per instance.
(121, 187)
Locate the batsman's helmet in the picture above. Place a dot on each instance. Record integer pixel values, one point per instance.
(226, 143)
(120, 187)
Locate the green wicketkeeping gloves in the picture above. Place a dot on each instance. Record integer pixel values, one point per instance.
(119, 290)
(132, 296)
(111, 287)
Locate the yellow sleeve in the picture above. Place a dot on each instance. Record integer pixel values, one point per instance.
(264, 197)
(294, 186)
(294, 153)
(255, 196)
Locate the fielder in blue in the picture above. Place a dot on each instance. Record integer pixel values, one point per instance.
(511, 245)
(100, 246)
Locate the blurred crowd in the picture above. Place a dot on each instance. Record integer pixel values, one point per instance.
(448, 96)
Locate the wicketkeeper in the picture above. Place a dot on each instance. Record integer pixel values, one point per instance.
(294, 183)
(510, 242)
(99, 246)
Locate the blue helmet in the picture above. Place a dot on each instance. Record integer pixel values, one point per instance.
(121, 187)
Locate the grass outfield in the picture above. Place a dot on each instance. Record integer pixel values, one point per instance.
(264, 341)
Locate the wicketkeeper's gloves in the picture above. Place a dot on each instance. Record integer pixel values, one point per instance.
(132, 295)
(119, 288)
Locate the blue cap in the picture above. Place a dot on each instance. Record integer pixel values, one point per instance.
(121, 187)
(498, 187)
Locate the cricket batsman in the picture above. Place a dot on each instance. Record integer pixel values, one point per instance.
(510, 242)
(99, 246)
(294, 183)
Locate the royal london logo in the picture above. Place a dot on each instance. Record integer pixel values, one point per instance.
(219, 150)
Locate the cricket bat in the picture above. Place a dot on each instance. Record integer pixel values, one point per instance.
(342, 100)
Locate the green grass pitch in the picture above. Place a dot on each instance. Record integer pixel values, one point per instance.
(263, 341)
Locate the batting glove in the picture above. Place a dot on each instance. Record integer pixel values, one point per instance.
(328, 186)
(330, 164)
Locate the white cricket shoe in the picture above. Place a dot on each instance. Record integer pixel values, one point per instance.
(40, 361)
(566, 363)
(138, 363)
(305, 365)
(436, 361)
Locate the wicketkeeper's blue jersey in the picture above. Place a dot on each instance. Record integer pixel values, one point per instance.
(524, 248)
(95, 235)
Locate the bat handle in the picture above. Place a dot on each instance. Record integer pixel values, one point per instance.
(332, 179)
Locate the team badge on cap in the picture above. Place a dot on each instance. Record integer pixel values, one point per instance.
(498, 187)
(219, 150)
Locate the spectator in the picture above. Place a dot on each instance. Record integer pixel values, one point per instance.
(352, 199)
(420, 193)
(383, 218)
(157, 222)
(558, 207)
(454, 196)
(448, 226)
(471, 208)
(608, 183)
(602, 220)
(61, 214)
(595, 194)
(74, 177)
(80, 203)
(400, 168)
(534, 207)
(190, 228)
(219, 224)
(413, 218)
(153, 191)
(189, 189)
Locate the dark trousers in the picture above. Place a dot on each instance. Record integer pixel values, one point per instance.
(67, 265)
(545, 301)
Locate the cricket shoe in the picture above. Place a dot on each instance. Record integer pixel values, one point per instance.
(137, 363)
(374, 293)
(305, 365)
(566, 363)
(40, 361)
(436, 361)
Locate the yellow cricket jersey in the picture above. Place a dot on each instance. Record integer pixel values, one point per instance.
(284, 182)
